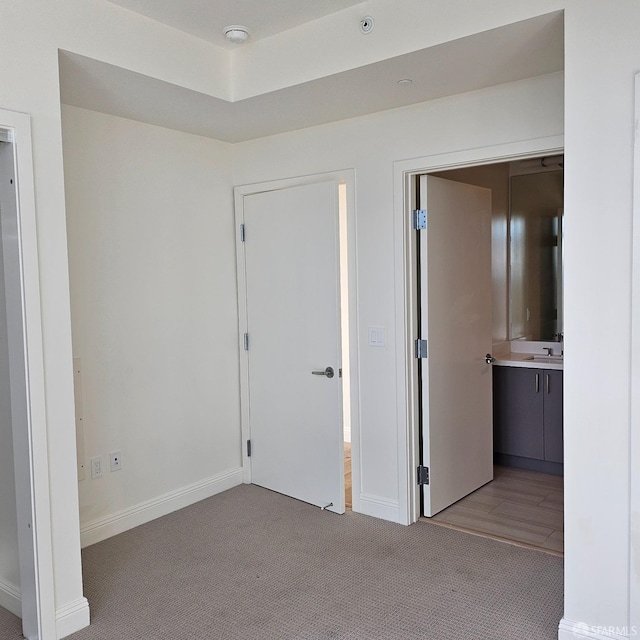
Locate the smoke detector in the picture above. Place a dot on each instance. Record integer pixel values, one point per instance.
(236, 33)
(366, 25)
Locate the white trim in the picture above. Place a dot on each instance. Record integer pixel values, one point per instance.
(347, 176)
(379, 507)
(143, 512)
(634, 448)
(572, 630)
(406, 383)
(31, 451)
(72, 617)
(10, 598)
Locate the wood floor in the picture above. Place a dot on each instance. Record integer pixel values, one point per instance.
(347, 475)
(519, 506)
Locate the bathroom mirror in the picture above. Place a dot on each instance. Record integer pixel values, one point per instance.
(536, 231)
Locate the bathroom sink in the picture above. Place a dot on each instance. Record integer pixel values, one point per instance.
(548, 359)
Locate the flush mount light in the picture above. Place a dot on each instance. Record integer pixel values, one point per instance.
(405, 81)
(236, 33)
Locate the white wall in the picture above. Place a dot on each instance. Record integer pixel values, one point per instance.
(32, 33)
(602, 55)
(508, 113)
(9, 564)
(154, 314)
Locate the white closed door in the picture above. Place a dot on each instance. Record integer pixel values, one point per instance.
(456, 320)
(294, 400)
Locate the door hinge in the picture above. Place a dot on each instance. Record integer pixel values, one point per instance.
(419, 219)
(421, 348)
(242, 233)
(423, 475)
(248, 448)
(246, 341)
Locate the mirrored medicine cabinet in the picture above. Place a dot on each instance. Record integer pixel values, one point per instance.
(536, 226)
(527, 244)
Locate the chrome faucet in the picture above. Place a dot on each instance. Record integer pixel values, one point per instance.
(549, 350)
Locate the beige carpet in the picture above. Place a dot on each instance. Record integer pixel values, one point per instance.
(252, 564)
(10, 626)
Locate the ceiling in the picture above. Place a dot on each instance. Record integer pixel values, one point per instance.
(207, 19)
(520, 50)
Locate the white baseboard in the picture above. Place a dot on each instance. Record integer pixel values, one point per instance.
(378, 507)
(72, 617)
(10, 598)
(573, 630)
(111, 525)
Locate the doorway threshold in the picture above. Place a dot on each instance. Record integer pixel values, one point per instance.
(519, 507)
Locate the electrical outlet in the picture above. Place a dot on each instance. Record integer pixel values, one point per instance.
(96, 467)
(116, 461)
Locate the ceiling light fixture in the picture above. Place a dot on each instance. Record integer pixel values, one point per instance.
(236, 33)
(405, 81)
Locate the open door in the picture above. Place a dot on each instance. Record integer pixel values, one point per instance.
(291, 357)
(456, 321)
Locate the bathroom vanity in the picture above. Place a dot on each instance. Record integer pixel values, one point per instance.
(527, 412)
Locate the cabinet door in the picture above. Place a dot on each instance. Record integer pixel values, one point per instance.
(518, 412)
(553, 416)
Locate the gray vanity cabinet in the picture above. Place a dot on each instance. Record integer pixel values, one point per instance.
(527, 415)
(552, 415)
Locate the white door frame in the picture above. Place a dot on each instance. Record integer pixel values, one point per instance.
(346, 176)
(407, 388)
(30, 434)
(634, 471)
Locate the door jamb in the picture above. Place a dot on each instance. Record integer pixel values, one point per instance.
(30, 448)
(634, 449)
(346, 176)
(406, 296)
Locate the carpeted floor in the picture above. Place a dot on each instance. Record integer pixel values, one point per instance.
(10, 626)
(254, 565)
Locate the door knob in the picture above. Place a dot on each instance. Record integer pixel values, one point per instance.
(489, 358)
(327, 372)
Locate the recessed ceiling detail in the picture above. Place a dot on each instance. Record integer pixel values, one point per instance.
(207, 19)
(514, 52)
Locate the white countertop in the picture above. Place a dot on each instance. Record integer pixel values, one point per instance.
(525, 360)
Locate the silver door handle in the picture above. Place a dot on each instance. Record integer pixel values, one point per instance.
(489, 358)
(327, 372)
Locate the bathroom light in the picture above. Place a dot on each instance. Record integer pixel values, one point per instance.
(236, 33)
(405, 81)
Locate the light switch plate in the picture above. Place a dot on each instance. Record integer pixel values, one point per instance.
(377, 336)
